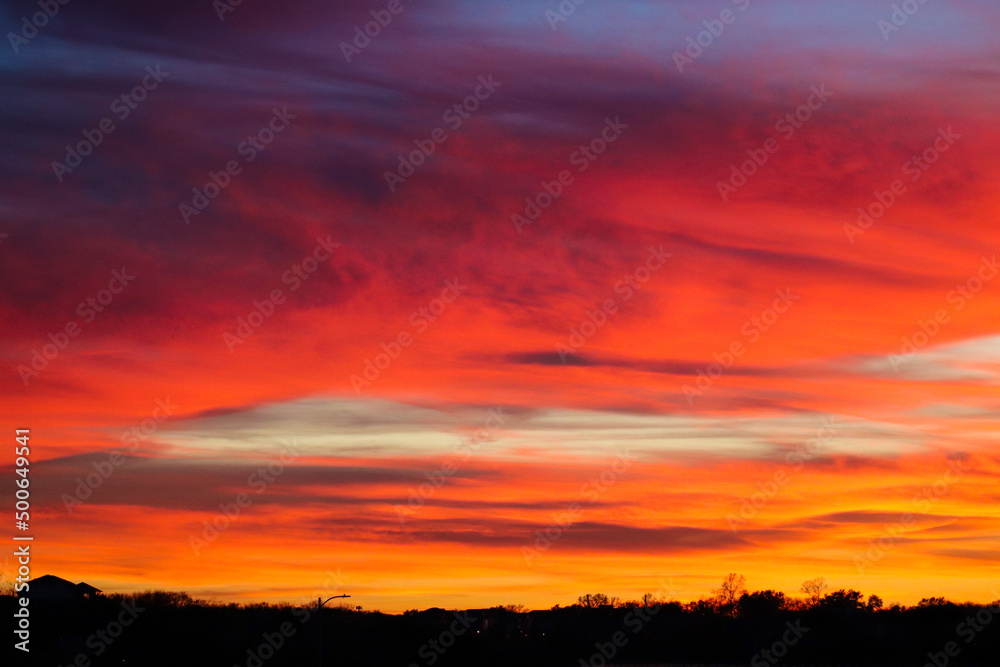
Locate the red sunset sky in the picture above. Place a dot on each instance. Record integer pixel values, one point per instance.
(696, 311)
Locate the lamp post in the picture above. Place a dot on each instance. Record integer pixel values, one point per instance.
(319, 605)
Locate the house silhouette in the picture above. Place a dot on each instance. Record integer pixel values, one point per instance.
(51, 587)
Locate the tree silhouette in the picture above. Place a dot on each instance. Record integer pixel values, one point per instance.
(854, 631)
(733, 586)
(843, 599)
(933, 602)
(761, 603)
(702, 607)
(594, 600)
(814, 589)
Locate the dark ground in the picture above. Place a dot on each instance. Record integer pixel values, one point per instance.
(171, 631)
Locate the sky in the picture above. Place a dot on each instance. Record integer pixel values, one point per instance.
(505, 303)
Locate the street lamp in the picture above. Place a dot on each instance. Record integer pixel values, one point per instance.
(320, 601)
(319, 605)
